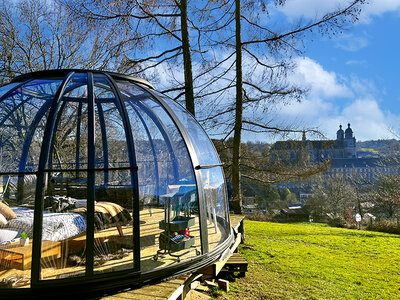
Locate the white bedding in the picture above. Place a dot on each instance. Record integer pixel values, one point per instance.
(56, 226)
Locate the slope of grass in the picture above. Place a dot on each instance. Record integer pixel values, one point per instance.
(313, 261)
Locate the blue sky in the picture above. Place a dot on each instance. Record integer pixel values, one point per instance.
(352, 77)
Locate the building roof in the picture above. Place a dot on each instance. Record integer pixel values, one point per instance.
(296, 145)
(356, 162)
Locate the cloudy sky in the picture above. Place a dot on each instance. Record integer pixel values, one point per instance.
(352, 77)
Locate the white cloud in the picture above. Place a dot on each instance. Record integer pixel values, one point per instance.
(367, 119)
(378, 8)
(350, 42)
(356, 62)
(306, 108)
(363, 87)
(320, 82)
(310, 8)
(331, 102)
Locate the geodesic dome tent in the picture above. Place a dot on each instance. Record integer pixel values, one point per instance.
(104, 183)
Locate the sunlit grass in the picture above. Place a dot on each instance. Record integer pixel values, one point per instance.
(313, 261)
(369, 150)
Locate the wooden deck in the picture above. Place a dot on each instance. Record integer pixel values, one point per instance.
(178, 288)
(236, 263)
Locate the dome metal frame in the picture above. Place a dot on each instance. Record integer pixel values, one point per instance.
(98, 283)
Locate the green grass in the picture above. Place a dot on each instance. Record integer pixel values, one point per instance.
(369, 150)
(314, 261)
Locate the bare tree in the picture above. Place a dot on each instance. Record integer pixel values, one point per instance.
(387, 196)
(159, 33)
(41, 35)
(335, 197)
(256, 93)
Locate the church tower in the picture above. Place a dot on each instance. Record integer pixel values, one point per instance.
(340, 134)
(339, 146)
(349, 143)
(345, 146)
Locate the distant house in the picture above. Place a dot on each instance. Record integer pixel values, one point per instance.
(294, 212)
(249, 209)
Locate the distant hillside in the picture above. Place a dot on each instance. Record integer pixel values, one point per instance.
(364, 148)
(379, 147)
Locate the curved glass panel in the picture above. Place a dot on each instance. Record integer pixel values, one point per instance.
(169, 230)
(66, 199)
(23, 116)
(204, 148)
(213, 185)
(213, 182)
(113, 243)
(68, 149)
(5, 88)
(63, 232)
(110, 135)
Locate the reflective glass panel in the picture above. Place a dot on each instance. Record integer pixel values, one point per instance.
(23, 116)
(16, 229)
(204, 148)
(214, 188)
(169, 223)
(113, 238)
(6, 88)
(110, 136)
(69, 143)
(213, 183)
(64, 226)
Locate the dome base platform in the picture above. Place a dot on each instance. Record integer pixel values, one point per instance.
(178, 288)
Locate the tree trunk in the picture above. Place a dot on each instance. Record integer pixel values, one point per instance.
(187, 59)
(236, 193)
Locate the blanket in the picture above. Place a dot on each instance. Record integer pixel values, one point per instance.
(56, 226)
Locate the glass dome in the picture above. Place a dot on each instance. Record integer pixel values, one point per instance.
(104, 183)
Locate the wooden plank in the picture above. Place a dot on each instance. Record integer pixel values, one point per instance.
(237, 242)
(220, 264)
(170, 289)
(236, 220)
(236, 258)
(236, 263)
(215, 268)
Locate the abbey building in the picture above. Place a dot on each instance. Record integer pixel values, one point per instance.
(342, 152)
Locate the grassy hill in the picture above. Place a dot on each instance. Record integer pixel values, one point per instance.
(313, 261)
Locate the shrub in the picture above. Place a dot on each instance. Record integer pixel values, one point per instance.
(259, 216)
(337, 222)
(388, 226)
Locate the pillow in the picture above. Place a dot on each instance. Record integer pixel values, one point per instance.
(8, 235)
(80, 203)
(3, 221)
(7, 212)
